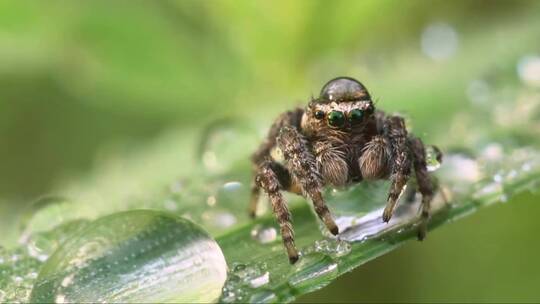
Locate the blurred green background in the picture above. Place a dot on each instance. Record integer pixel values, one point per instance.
(80, 80)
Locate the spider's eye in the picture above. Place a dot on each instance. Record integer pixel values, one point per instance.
(356, 115)
(319, 114)
(370, 109)
(336, 118)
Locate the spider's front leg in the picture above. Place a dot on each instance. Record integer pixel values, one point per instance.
(289, 118)
(424, 181)
(301, 163)
(396, 133)
(273, 178)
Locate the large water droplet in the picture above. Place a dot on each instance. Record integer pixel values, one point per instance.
(134, 256)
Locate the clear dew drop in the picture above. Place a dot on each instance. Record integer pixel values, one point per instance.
(259, 281)
(232, 186)
(479, 92)
(243, 279)
(314, 271)
(156, 257)
(170, 204)
(263, 297)
(219, 145)
(264, 235)
(528, 69)
(431, 159)
(492, 152)
(460, 171)
(218, 219)
(439, 41)
(330, 247)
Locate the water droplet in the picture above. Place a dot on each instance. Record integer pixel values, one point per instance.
(32, 275)
(219, 219)
(60, 299)
(17, 279)
(219, 147)
(493, 152)
(232, 186)
(460, 171)
(211, 201)
(181, 263)
(263, 234)
(264, 297)
(439, 41)
(526, 167)
(432, 158)
(479, 92)
(259, 281)
(331, 247)
(170, 205)
(40, 247)
(314, 271)
(176, 187)
(490, 193)
(528, 69)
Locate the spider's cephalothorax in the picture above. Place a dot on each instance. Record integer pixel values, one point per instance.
(338, 139)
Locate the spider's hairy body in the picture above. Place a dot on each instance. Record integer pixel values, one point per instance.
(337, 140)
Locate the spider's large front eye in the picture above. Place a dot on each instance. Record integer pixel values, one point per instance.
(356, 115)
(336, 118)
(370, 109)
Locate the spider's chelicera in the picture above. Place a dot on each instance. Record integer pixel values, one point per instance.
(338, 139)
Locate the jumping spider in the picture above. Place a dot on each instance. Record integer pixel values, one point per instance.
(338, 139)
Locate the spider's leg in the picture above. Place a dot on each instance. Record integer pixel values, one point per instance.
(254, 197)
(301, 163)
(410, 192)
(268, 178)
(425, 184)
(290, 118)
(395, 131)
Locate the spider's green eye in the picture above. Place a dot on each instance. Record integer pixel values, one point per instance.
(356, 115)
(336, 118)
(319, 114)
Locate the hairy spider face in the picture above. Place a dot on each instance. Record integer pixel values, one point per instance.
(343, 103)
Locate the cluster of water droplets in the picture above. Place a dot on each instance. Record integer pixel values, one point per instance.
(18, 271)
(332, 247)
(242, 279)
(216, 194)
(19, 267)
